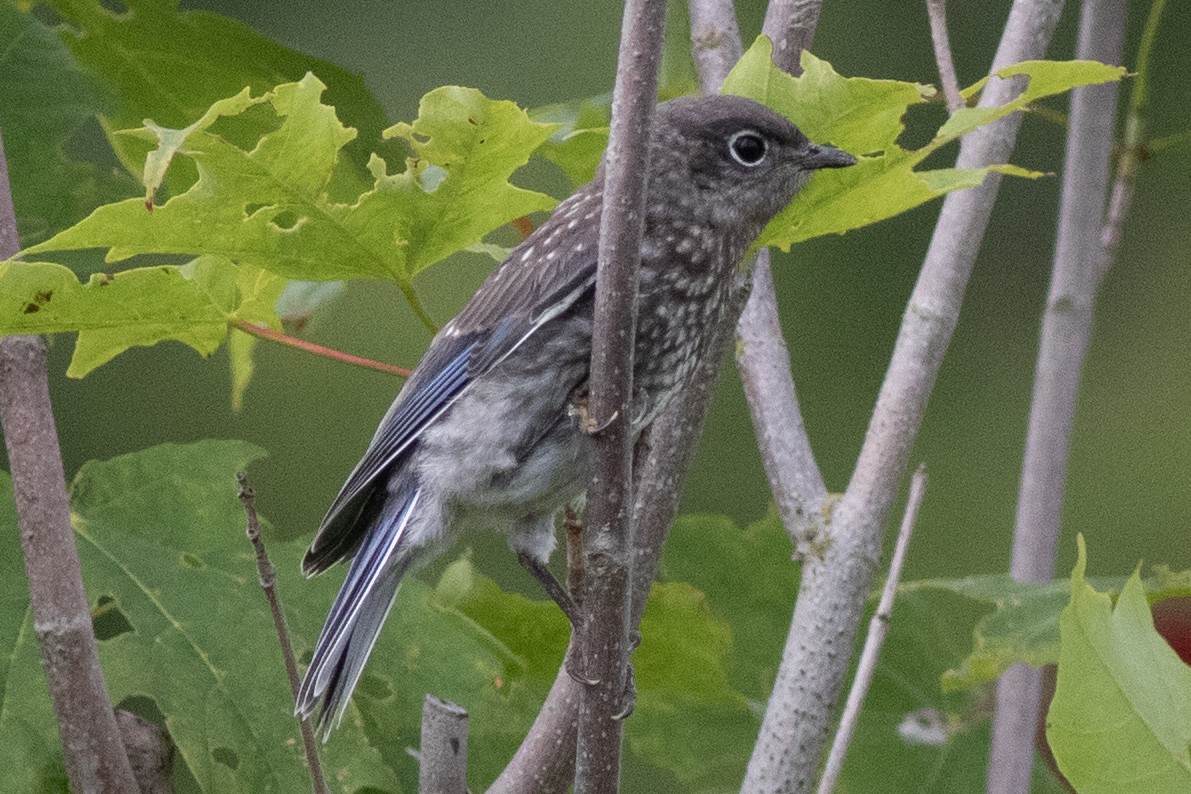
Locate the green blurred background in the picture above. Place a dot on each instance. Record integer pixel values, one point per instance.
(842, 298)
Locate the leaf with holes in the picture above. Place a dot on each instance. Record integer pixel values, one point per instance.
(192, 304)
(267, 206)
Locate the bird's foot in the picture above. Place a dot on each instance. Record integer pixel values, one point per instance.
(588, 423)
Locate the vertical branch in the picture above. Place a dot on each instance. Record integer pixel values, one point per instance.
(1066, 333)
(608, 534)
(833, 589)
(94, 754)
(267, 575)
(442, 752)
(936, 10)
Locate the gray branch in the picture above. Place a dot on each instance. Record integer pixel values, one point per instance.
(442, 752)
(936, 10)
(764, 363)
(827, 615)
(608, 532)
(94, 753)
(1066, 332)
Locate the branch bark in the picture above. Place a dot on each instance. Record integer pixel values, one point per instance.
(827, 615)
(936, 10)
(91, 743)
(1066, 333)
(608, 531)
(442, 752)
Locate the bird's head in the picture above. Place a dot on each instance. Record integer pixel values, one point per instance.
(729, 161)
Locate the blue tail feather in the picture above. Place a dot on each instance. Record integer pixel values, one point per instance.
(356, 617)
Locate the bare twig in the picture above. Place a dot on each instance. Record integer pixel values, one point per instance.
(937, 11)
(1066, 333)
(878, 629)
(319, 350)
(608, 534)
(94, 754)
(442, 752)
(1132, 145)
(833, 589)
(268, 579)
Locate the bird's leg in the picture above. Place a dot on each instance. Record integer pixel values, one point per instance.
(553, 588)
(560, 596)
(628, 699)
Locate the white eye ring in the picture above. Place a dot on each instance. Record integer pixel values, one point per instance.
(748, 148)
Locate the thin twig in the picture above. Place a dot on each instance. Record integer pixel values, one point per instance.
(1063, 344)
(608, 536)
(91, 745)
(319, 350)
(936, 10)
(268, 580)
(834, 588)
(572, 525)
(1132, 146)
(878, 629)
(442, 752)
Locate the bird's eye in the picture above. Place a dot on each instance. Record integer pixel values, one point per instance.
(748, 148)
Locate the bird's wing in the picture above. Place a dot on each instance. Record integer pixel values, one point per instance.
(530, 288)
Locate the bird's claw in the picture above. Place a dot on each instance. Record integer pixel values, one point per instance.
(588, 423)
(628, 698)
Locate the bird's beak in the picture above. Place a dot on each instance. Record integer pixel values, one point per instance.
(821, 156)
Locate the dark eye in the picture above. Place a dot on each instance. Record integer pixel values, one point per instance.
(748, 148)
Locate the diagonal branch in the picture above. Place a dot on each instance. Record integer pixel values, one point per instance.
(94, 753)
(608, 532)
(789, 749)
(1066, 333)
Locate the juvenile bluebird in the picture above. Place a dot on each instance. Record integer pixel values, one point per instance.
(486, 433)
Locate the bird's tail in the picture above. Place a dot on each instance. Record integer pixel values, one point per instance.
(357, 615)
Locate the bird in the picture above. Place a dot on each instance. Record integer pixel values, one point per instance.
(487, 432)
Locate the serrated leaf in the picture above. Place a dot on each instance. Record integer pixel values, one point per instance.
(864, 117)
(44, 98)
(1120, 720)
(191, 304)
(267, 207)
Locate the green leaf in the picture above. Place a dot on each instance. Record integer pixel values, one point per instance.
(267, 206)
(191, 304)
(161, 537)
(864, 117)
(1120, 720)
(170, 65)
(1023, 624)
(44, 99)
